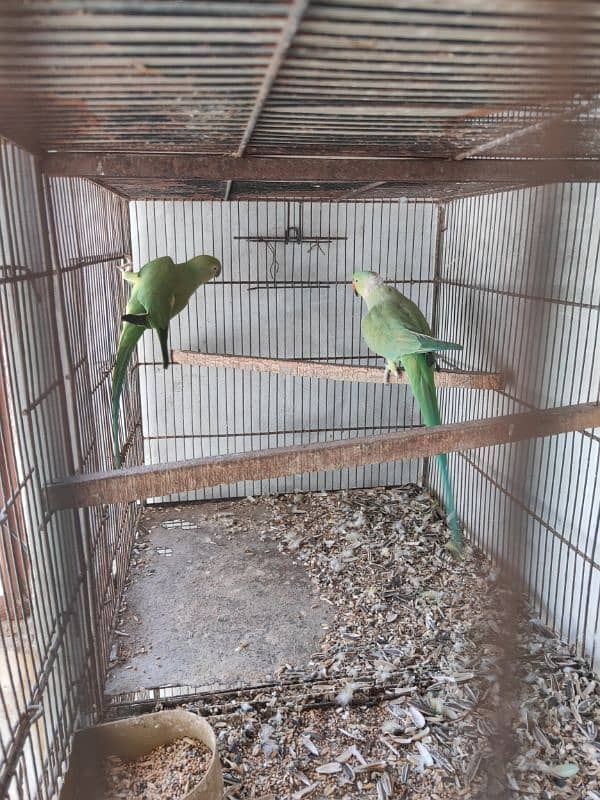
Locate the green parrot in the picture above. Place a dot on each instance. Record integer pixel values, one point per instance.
(161, 289)
(395, 328)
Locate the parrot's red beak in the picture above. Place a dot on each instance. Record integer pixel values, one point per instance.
(354, 289)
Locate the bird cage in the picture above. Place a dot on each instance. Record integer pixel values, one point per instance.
(452, 148)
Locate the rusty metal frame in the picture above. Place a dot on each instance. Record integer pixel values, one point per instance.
(110, 167)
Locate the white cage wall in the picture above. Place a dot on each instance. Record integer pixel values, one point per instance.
(299, 307)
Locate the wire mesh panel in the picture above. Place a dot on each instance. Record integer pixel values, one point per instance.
(394, 79)
(519, 274)
(279, 299)
(60, 574)
(91, 237)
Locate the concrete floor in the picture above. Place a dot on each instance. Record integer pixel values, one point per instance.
(212, 603)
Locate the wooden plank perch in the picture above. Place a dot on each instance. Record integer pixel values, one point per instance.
(334, 372)
(135, 483)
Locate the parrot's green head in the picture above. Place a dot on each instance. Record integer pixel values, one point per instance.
(364, 282)
(205, 267)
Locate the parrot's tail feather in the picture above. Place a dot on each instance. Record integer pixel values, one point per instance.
(429, 343)
(452, 518)
(439, 345)
(163, 337)
(130, 336)
(420, 376)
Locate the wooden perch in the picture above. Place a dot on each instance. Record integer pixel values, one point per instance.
(334, 372)
(136, 483)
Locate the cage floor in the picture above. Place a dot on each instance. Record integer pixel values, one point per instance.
(427, 679)
(212, 602)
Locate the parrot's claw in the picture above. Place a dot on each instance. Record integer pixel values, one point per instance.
(392, 368)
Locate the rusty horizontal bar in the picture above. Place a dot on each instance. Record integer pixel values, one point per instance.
(224, 168)
(135, 483)
(334, 372)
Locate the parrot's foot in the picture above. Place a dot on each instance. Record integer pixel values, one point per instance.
(392, 368)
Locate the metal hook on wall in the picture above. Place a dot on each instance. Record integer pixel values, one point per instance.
(274, 265)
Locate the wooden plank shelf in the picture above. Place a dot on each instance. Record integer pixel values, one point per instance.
(137, 483)
(335, 372)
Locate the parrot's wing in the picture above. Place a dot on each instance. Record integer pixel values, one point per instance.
(191, 274)
(410, 313)
(160, 311)
(386, 333)
(156, 291)
(157, 264)
(186, 283)
(412, 316)
(134, 306)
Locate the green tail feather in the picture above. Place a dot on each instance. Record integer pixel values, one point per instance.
(130, 336)
(452, 518)
(420, 376)
(431, 344)
(163, 338)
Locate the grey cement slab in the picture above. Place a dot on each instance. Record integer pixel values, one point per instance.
(215, 606)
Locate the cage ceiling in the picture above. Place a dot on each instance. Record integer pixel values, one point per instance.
(153, 86)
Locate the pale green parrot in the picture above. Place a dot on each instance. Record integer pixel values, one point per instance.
(395, 328)
(161, 289)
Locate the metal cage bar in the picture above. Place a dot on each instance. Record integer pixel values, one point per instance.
(61, 574)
